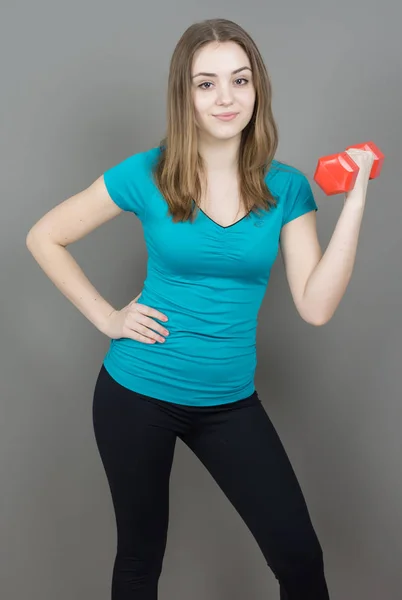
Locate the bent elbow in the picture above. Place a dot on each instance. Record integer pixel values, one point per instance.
(317, 320)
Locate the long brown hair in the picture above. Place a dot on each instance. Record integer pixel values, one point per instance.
(178, 171)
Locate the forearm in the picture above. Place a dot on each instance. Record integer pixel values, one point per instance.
(68, 277)
(329, 280)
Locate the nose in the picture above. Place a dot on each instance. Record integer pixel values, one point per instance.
(224, 95)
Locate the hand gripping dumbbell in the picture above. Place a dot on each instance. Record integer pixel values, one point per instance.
(337, 173)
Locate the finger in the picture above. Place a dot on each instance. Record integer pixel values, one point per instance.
(142, 338)
(138, 333)
(358, 152)
(150, 312)
(132, 334)
(144, 331)
(148, 322)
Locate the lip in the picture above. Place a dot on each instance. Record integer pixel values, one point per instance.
(226, 116)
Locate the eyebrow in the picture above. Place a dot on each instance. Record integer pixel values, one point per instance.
(215, 74)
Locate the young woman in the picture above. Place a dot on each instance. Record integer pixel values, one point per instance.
(215, 207)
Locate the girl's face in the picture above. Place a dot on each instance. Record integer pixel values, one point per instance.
(222, 83)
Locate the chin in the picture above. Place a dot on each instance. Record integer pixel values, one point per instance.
(228, 136)
(226, 133)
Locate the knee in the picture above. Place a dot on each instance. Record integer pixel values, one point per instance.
(300, 562)
(136, 570)
(309, 561)
(301, 575)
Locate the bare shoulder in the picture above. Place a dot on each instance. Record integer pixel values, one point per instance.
(76, 216)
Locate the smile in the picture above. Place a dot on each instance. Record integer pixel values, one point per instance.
(226, 116)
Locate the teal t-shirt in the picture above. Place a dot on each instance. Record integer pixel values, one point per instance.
(209, 281)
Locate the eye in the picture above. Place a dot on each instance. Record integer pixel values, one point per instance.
(205, 83)
(208, 83)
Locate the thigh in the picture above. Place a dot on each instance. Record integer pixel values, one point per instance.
(244, 454)
(136, 443)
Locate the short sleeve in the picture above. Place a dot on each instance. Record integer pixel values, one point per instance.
(125, 182)
(299, 199)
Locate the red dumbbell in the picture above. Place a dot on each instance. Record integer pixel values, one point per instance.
(337, 173)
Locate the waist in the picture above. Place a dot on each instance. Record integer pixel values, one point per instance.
(185, 369)
(212, 352)
(212, 321)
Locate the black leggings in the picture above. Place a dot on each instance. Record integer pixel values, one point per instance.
(239, 446)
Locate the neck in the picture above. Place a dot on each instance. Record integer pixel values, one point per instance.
(219, 155)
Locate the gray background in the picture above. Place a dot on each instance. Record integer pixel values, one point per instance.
(83, 86)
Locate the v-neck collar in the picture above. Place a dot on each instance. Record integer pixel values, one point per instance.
(218, 224)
